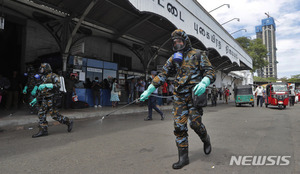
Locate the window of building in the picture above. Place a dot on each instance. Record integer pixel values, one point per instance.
(91, 68)
(107, 74)
(124, 62)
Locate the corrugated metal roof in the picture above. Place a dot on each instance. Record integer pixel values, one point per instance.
(122, 18)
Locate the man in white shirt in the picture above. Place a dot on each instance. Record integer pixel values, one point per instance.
(292, 96)
(259, 93)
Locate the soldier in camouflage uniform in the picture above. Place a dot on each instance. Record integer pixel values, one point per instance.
(194, 74)
(47, 92)
(30, 87)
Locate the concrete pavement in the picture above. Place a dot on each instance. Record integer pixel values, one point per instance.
(23, 117)
(127, 144)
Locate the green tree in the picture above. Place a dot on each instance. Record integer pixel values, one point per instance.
(296, 76)
(262, 79)
(284, 79)
(256, 49)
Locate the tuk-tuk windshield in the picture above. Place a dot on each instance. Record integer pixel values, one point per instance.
(280, 88)
(244, 91)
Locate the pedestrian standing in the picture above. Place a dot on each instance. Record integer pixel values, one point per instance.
(96, 86)
(88, 84)
(226, 93)
(141, 88)
(13, 91)
(4, 85)
(292, 96)
(165, 92)
(214, 96)
(70, 87)
(131, 87)
(259, 95)
(115, 93)
(220, 93)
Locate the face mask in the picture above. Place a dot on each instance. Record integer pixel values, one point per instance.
(178, 57)
(96, 80)
(178, 44)
(178, 47)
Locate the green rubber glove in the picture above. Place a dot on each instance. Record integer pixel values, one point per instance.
(25, 90)
(33, 92)
(33, 102)
(148, 92)
(201, 86)
(47, 85)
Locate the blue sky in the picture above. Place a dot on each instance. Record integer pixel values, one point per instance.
(250, 12)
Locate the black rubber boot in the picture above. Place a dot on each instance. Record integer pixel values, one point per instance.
(183, 158)
(42, 132)
(70, 125)
(206, 145)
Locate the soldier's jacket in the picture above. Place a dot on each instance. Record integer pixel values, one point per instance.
(50, 78)
(190, 73)
(214, 91)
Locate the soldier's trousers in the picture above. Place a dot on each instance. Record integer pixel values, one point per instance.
(46, 106)
(183, 110)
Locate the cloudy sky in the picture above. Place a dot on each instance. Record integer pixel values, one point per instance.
(250, 12)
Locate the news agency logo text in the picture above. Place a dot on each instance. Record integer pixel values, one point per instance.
(260, 160)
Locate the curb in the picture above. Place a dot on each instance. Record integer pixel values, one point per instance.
(20, 122)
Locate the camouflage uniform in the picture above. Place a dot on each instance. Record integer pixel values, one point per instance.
(32, 81)
(214, 96)
(191, 71)
(47, 100)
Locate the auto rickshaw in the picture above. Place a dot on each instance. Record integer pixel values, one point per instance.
(277, 94)
(243, 94)
(297, 97)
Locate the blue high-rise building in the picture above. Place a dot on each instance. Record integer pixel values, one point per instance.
(266, 31)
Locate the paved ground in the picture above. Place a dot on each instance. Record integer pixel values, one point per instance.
(127, 144)
(17, 119)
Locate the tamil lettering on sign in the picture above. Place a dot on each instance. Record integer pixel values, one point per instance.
(194, 20)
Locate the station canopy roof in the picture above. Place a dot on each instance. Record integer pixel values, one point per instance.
(120, 21)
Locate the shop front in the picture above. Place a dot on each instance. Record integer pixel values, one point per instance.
(125, 78)
(88, 69)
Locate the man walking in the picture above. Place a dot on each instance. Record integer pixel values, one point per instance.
(46, 97)
(194, 74)
(152, 105)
